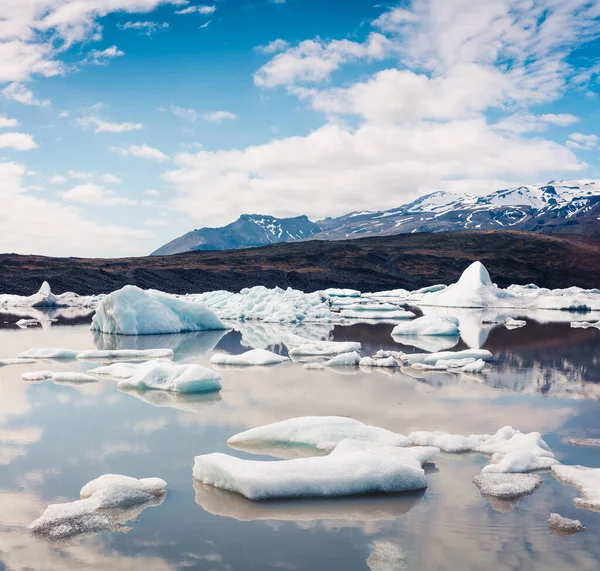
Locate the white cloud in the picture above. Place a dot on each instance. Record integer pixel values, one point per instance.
(202, 9)
(19, 93)
(273, 47)
(143, 151)
(24, 220)
(583, 142)
(7, 122)
(110, 179)
(183, 113)
(151, 192)
(313, 61)
(89, 193)
(526, 122)
(80, 175)
(63, 115)
(100, 125)
(146, 27)
(58, 179)
(17, 141)
(218, 116)
(102, 57)
(373, 166)
(205, 25)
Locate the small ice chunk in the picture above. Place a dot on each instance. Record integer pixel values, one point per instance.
(168, 376)
(433, 358)
(584, 324)
(134, 311)
(511, 323)
(386, 556)
(475, 367)
(321, 432)
(353, 467)
(344, 360)
(107, 503)
(314, 366)
(341, 292)
(59, 377)
(507, 486)
(376, 314)
(587, 442)
(587, 480)
(455, 363)
(388, 362)
(564, 525)
(324, 348)
(48, 353)
(518, 461)
(254, 357)
(382, 354)
(24, 323)
(126, 354)
(18, 361)
(428, 325)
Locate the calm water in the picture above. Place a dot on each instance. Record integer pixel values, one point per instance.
(55, 438)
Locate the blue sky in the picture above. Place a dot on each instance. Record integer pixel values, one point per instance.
(125, 123)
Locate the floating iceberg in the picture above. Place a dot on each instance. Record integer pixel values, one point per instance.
(60, 377)
(25, 323)
(45, 298)
(17, 361)
(341, 292)
(48, 353)
(303, 348)
(563, 525)
(168, 376)
(586, 442)
(475, 367)
(585, 324)
(125, 354)
(254, 357)
(587, 480)
(511, 323)
(105, 505)
(319, 432)
(433, 358)
(270, 305)
(389, 362)
(428, 325)
(353, 467)
(351, 359)
(134, 311)
(507, 486)
(375, 314)
(512, 451)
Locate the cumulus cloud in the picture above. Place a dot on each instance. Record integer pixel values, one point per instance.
(7, 122)
(32, 224)
(527, 122)
(94, 121)
(142, 151)
(583, 142)
(273, 47)
(17, 141)
(218, 116)
(145, 27)
(90, 193)
(102, 57)
(21, 94)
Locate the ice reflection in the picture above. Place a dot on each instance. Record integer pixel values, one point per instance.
(181, 401)
(348, 512)
(258, 335)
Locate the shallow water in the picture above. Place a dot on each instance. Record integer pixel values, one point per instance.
(55, 438)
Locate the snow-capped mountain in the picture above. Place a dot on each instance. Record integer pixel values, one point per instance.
(247, 231)
(571, 207)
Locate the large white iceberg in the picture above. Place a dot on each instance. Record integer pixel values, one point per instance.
(168, 376)
(105, 505)
(353, 467)
(587, 480)
(428, 325)
(320, 432)
(270, 305)
(253, 357)
(134, 311)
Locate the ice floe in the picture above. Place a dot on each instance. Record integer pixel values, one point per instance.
(59, 377)
(507, 486)
(475, 367)
(587, 480)
(511, 323)
(389, 362)
(134, 311)
(253, 357)
(48, 353)
(125, 354)
(25, 323)
(45, 298)
(17, 361)
(304, 348)
(341, 292)
(274, 305)
(433, 358)
(168, 376)
(586, 442)
(427, 325)
(351, 359)
(319, 432)
(353, 467)
(564, 525)
(105, 505)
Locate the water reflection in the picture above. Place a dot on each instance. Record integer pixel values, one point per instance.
(180, 401)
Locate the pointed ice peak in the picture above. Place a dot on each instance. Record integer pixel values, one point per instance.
(45, 289)
(476, 274)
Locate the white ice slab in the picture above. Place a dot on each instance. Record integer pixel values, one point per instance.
(253, 357)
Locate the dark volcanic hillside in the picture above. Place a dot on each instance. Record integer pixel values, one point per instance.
(385, 262)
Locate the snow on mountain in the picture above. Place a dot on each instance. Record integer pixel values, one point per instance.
(571, 206)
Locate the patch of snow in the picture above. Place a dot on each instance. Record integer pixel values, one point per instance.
(587, 480)
(507, 486)
(564, 525)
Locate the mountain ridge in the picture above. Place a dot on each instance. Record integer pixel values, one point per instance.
(565, 207)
